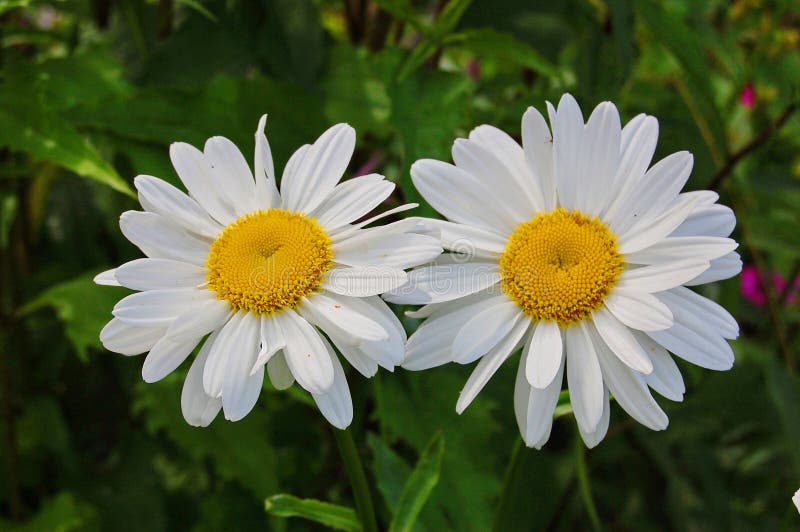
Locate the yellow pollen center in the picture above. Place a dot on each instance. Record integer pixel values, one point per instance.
(268, 260)
(560, 265)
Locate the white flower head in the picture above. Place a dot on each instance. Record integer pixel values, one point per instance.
(574, 248)
(796, 500)
(263, 273)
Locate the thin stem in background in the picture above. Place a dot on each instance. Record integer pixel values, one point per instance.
(358, 480)
(510, 482)
(584, 484)
(734, 159)
(773, 300)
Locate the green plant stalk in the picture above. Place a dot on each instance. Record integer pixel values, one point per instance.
(358, 480)
(585, 486)
(511, 482)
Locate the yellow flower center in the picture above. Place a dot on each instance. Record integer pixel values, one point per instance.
(268, 260)
(560, 265)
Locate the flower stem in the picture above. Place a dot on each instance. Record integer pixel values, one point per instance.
(584, 485)
(510, 483)
(358, 480)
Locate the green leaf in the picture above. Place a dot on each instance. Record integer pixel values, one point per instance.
(82, 306)
(785, 394)
(239, 451)
(62, 513)
(504, 46)
(391, 471)
(332, 515)
(685, 44)
(27, 126)
(426, 113)
(419, 485)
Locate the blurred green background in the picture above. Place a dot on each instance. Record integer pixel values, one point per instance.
(93, 91)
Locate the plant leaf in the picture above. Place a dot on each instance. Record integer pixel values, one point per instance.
(332, 515)
(419, 485)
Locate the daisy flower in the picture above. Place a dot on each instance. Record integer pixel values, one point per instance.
(573, 249)
(260, 274)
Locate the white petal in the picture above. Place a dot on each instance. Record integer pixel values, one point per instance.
(195, 172)
(199, 409)
(124, 339)
(306, 355)
(537, 141)
(335, 315)
(698, 308)
(482, 164)
(630, 391)
(655, 191)
(357, 358)
(387, 353)
(659, 277)
(264, 171)
(671, 248)
(584, 378)
(336, 405)
(591, 439)
(639, 310)
(364, 281)
(724, 267)
(568, 136)
(159, 274)
(241, 387)
(431, 344)
(272, 340)
(158, 308)
(279, 373)
(637, 145)
(694, 341)
(511, 154)
(647, 232)
(157, 237)
(232, 174)
(485, 330)
(290, 171)
(165, 356)
(158, 196)
(200, 320)
(460, 196)
(534, 407)
(320, 169)
(621, 342)
(354, 229)
(708, 220)
(434, 284)
(468, 240)
(374, 247)
(490, 363)
(352, 200)
(226, 345)
(544, 354)
(666, 378)
(107, 278)
(599, 158)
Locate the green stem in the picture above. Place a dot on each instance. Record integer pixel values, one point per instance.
(584, 485)
(510, 485)
(358, 480)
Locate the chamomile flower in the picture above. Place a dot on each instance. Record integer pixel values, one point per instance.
(257, 275)
(571, 248)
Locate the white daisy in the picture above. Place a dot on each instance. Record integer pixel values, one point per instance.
(571, 248)
(262, 273)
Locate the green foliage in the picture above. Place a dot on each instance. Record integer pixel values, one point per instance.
(93, 93)
(81, 307)
(330, 515)
(419, 486)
